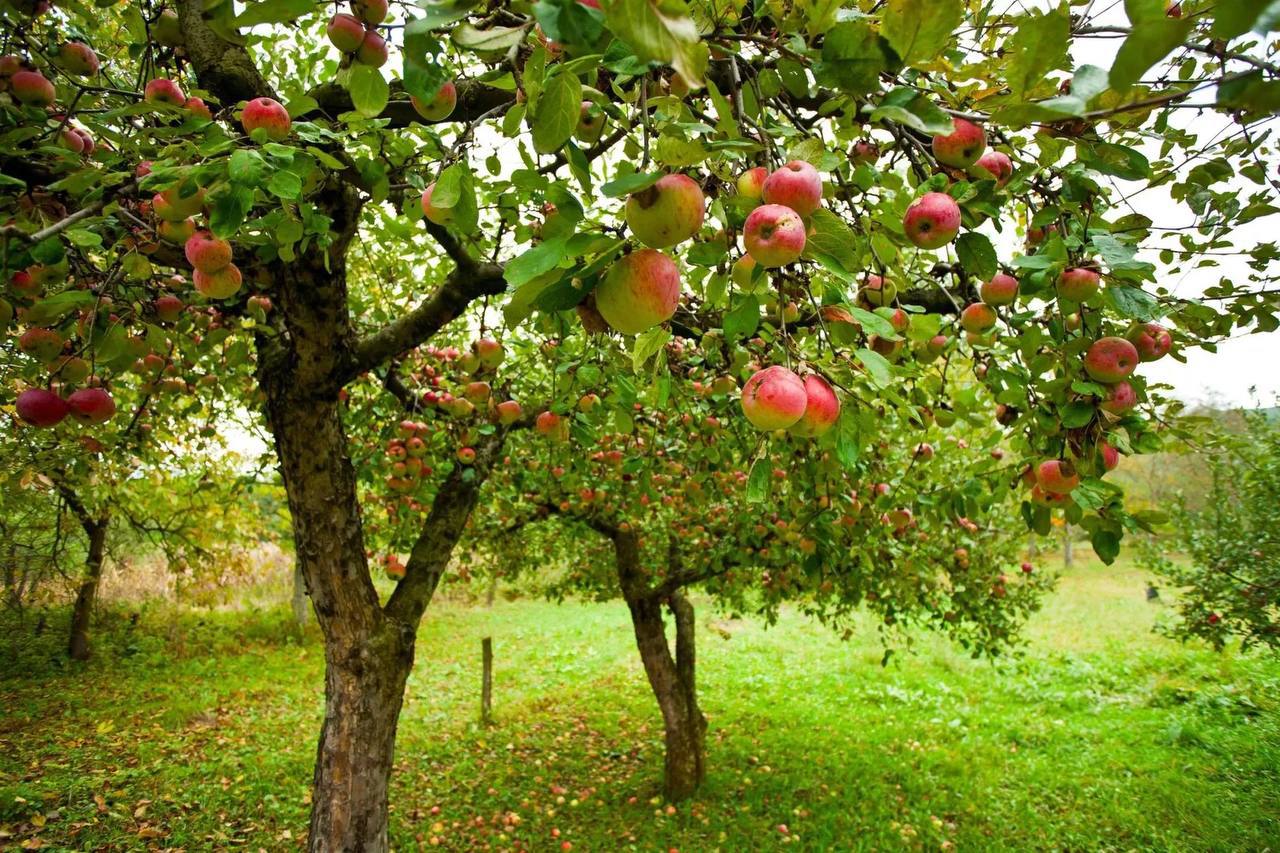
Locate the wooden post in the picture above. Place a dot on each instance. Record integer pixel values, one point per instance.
(486, 683)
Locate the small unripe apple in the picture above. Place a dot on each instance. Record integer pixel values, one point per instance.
(932, 221)
(877, 291)
(163, 91)
(822, 408)
(267, 115)
(591, 123)
(1002, 289)
(667, 213)
(167, 30)
(774, 398)
(796, 185)
(743, 272)
(176, 232)
(864, 152)
(639, 291)
(774, 235)
(441, 106)
(1110, 359)
(466, 455)
(345, 32)
(32, 88)
(962, 146)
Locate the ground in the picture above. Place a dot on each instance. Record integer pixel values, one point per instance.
(198, 733)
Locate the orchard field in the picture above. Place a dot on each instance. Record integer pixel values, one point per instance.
(1101, 736)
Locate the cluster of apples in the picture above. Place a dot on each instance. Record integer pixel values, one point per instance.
(215, 276)
(933, 220)
(27, 85)
(356, 34)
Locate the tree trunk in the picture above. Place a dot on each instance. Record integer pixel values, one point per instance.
(1068, 550)
(301, 606)
(672, 680)
(78, 645)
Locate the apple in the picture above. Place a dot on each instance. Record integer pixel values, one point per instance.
(978, 318)
(1110, 359)
(268, 115)
(78, 58)
(489, 351)
(72, 140)
(743, 272)
(44, 345)
(91, 405)
(176, 232)
(962, 146)
(639, 291)
(774, 235)
(168, 308)
(163, 91)
(1151, 340)
(441, 106)
(32, 88)
(590, 124)
(41, 408)
(373, 50)
(667, 213)
(219, 284)
(877, 291)
(1046, 498)
(822, 408)
(509, 411)
(864, 151)
(206, 252)
(1078, 284)
(796, 185)
(372, 12)
(466, 455)
(167, 30)
(937, 345)
(1110, 456)
(1057, 476)
(438, 215)
(995, 164)
(774, 398)
(197, 106)
(751, 183)
(345, 32)
(1120, 398)
(551, 425)
(1002, 289)
(932, 221)
(476, 392)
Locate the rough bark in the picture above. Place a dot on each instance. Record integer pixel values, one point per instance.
(672, 679)
(301, 606)
(78, 646)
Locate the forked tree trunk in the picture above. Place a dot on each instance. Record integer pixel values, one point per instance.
(672, 679)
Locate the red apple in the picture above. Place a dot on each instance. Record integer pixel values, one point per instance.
(639, 291)
(91, 405)
(1001, 290)
(41, 408)
(206, 252)
(1151, 340)
(78, 58)
(978, 318)
(667, 213)
(994, 164)
(774, 235)
(268, 115)
(1057, 476)
(796, 185)
(1110, 359)
(32, 88)
(220, 284)
(372, 12)
(197, 106)
(441, 106)
(163, 91)
(466, 455)
(438, 215)
(932, 221)
(1078, 284)
(345, 32)
(865, 151)
(962, 146)
(168, 308)
(1120, 398)
(373, 50)
(1110, 456)
(822, 408)
(774, 398)
(751, 183)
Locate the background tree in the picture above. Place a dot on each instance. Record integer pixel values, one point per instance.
(167, 128)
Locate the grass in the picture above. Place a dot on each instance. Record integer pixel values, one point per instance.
(199, 734)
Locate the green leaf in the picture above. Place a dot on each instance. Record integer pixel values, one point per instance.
(878, 368)
(1251, 94)
(853, 57)
(1076, 414)
(369, 91)
(907, 106)
(918, 30)
(569, 21)
(1153, 35)
(743, 320)
(1039, 46)
(832, 243)
(229, 210)
(557, 113)
(59, 305)
(536, 261)
(872, 323)
(246, 167)
(492, 40)
(628, 184)
(977, 255)
(1232, 19)
(758, 480)
(1106, 544)
(1134, 303)
(438, 13)
(284, 184)
(660, 31)
(648, 344)
(273, 12)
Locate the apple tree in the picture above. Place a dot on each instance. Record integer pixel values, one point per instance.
(841, 184)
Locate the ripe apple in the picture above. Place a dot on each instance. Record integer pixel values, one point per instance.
(91, 405)
(1057, 476)
(206, 252)
(1078, 284)
(489, 351)
(163, 91)
(877, 291)
(551, 425)
(509, 412)
(466, 455)
(774, 235)
(438, 215)
(1110, 456)
(774, 398)
(441, 106)
(667, 213)
(978, 318)
(168, 308)
(197, 106)
(751, 183)
(796, 185)
(32, 88)
(1002, 289)
(266, 114)
(44, 345)
(822, 408)
(220, 284)
(932, 221)
(591, 123)
(962, 146)
(345, 32)
(1151, 340)
(176, 232)
(78, 58)
(1120, 398)
(41, 408)
(1110, 359)
(994, 164)
(639, 291)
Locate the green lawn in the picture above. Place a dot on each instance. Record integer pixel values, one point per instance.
(199, 734)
